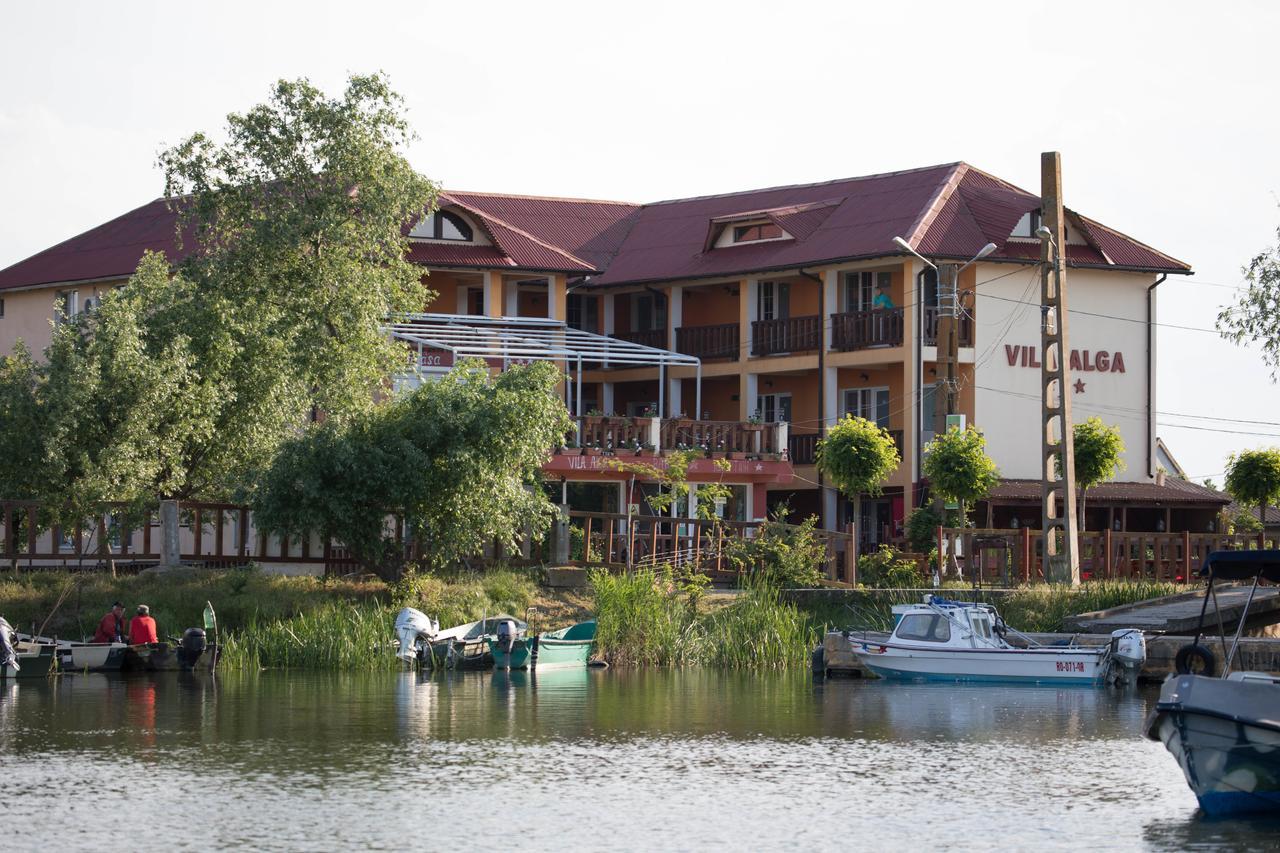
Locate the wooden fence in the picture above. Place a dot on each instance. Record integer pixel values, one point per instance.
(1015, 556)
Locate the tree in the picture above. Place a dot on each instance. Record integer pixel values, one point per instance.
(858, 456)
(458, 460)
(958, 467)
(1099, 456)
(1253, 477)
(1256, 313)
(184, 383)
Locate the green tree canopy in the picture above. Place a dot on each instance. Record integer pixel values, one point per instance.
(958, 467)
(1255, 317)
(1253, 478)
(1099, 456)
(458, 459)
(858, 456)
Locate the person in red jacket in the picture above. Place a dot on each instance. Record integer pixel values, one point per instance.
(111, 628)
(142, 628)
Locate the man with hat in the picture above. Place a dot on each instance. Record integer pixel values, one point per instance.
(142, 628)
(111, 628)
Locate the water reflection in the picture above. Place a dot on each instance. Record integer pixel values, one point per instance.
(698, 757)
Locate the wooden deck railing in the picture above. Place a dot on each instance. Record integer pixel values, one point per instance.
(615, 433)
(794, 334)
(647, 337)
(929, 333)
(854, 330)
(718, 341)
(721, 436)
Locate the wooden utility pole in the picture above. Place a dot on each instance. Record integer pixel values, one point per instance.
(1058, 507)
(946, 400)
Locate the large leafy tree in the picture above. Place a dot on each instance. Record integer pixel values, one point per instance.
(858, 457)
(1256, 315)
(1253, 478)
(185, 382)
(458, 460)
(958, 467)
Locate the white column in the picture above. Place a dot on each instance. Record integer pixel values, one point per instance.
(831, 298)
(511, 296)
(748, 391)
(675, 315)
(464, 301)
(830, 397)
(606, 397)
(674, 389)
(829, 514)
(751, 295)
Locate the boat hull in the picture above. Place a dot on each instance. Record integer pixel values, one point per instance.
(1225, 736)
(166, 657)
(1031, 666)
(35, 664)
(542, 652)
(93, 657)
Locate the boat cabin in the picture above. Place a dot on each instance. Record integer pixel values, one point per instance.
(952, 623)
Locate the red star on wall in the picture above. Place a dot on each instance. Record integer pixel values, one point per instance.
(1079, 386)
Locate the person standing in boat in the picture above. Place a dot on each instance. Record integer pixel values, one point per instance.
(111, 627)
(142, 628)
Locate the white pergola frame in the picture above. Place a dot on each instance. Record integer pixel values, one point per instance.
(536, 339)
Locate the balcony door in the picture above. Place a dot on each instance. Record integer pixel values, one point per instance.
(860, 289)
(774, 408)
(773, 300)
(869, 403)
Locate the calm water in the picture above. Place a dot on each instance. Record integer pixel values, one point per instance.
(604, 760)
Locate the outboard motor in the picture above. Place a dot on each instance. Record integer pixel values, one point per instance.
(8, 655)
(1129, 648)
(191, 647)
(413, 630)
(507, 635)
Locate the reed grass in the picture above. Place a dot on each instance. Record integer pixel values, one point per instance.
(339, 637)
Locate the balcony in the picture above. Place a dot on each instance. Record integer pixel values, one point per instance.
(605, 434)
(719, 341)
(929, 334)
(802, 447)
(794, 334)
(855, 330)
(648, 338)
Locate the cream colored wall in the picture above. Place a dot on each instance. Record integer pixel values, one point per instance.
(28, 314)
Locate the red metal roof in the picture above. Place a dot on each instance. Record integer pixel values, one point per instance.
(950, 210)
(1174, 490)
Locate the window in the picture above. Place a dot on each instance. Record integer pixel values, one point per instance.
(773, 300)
(648, 312)
(927, 627)
(860, 289)
(65, 305)
(443, 225)
(774, 408)
(869, 403)
(475, 301)
(756, 232)
(582, 312)
(1, 309)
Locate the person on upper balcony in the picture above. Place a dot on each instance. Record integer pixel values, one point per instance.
(142, 628)
(882, 300)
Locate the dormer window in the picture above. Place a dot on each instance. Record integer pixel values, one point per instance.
(443, 225)
(756, 231)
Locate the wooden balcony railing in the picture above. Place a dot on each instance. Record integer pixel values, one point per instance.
(929, 334)
(648, 337)
(802, 448)
(794, 334)
(615, 433)
(723, 436)
(719, 341)
(855, 330)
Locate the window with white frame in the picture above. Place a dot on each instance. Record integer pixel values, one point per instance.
(443, 225)
(648, 312)
(774, 408)
(66, 305)
(869, 403)
(757, 232)
(773, 300)
(860, 289)
(582, 312)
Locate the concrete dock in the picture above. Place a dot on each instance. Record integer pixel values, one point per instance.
(1255, 653)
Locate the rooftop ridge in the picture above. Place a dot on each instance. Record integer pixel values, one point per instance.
(559, 251)
(806, 185)
(527, 197)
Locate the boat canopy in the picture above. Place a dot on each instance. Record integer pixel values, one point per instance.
(1242, 565)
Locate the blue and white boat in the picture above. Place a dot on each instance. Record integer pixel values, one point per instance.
(944, 640)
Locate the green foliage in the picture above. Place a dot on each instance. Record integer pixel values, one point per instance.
(333, 637)
(760, 631)
(857, 456)
(458, 459)
(784, 555)
(1244, 522)
(1255, 316)
(184, 385)
(1253, 477)
(673, 482)
(921, 529)
(884, 569)
(958, 467)
(1099, 452)
(467, 596)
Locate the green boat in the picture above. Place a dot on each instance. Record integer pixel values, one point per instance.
(567, 647)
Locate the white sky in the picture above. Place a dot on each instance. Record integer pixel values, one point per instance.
(1164, 112)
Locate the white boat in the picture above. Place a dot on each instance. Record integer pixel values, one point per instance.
(80, 657)
(419, 639)
(1224, 732)
(943, 640)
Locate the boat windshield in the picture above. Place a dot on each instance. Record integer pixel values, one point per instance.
(929, 627)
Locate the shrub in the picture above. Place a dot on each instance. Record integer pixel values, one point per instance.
(784, 555)
(884, 569)
(922, 529)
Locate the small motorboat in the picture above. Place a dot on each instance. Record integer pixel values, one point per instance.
(420, 640)
(1224, 732)
(23, 659)
(564, 648)
(91, 657)
(944, 640)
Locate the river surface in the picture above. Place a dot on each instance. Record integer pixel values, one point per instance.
(595, 760)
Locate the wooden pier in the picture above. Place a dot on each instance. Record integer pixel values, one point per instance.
(1179, 614)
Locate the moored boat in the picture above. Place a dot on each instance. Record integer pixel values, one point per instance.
(1224, 732)
(563, 648)
(91, 657)
(419, 640)
(944, 640)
